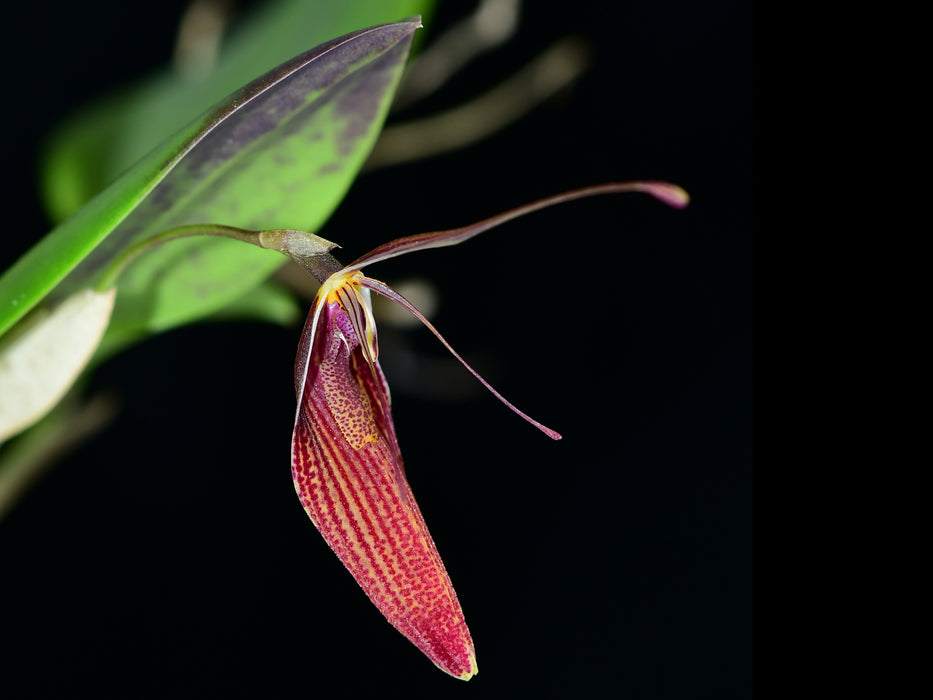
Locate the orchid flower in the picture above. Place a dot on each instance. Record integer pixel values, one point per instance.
(346, 462)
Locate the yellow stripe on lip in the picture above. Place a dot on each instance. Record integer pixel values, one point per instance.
(344, 288)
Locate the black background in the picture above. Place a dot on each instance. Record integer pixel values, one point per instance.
(169, 557)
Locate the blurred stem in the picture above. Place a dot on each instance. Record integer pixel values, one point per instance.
(308, 250)
(560, 65)
(130, 254)
(492, 23)
(24, 458)
(200, 33)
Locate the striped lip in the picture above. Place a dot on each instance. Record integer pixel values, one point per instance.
(349, 477)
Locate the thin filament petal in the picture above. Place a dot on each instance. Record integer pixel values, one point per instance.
(387, 291)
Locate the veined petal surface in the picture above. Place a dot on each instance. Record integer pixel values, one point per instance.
(349, 476)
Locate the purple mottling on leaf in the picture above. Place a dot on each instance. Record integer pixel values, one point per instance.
(358, 105)
(270, 109)
(283, 158)
(329, 168)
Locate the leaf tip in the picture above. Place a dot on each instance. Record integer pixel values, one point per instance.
(414, 19)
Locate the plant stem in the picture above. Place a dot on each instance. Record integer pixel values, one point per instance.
(310, 251)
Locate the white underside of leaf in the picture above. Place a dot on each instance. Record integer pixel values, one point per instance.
(40, 362)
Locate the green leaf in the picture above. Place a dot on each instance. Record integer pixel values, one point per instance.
(93, 147)
(267, 302)
(279, 153)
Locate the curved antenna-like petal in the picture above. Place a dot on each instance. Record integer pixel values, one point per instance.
(670, 194)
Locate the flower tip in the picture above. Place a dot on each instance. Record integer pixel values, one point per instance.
(671, 195)
(472, 671)
(462, 668)
(553, 434)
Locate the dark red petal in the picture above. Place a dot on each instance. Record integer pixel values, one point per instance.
(349, 477)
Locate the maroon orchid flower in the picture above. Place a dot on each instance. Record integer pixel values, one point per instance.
(346, 461)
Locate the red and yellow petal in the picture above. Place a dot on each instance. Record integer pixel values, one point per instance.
(349, 476)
